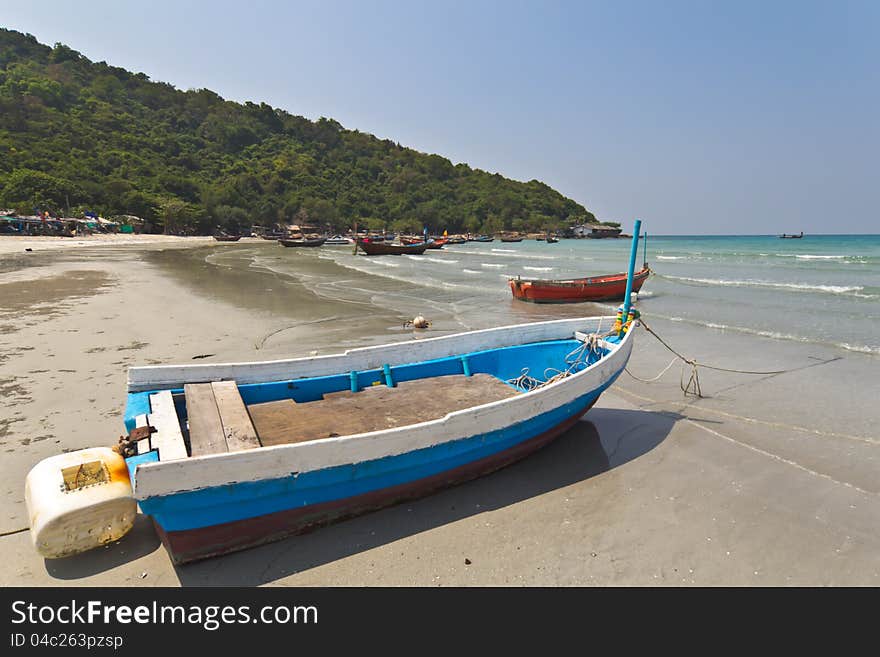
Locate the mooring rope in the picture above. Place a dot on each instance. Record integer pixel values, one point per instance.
(694, 380)
(693, 361)
(665, 370)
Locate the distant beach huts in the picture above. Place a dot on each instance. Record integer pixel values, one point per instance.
(595, 231)
(11, 224)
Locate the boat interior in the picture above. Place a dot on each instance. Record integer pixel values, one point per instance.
(202, 418)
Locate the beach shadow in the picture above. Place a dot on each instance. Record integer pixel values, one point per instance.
(607, 439)
(139, 542)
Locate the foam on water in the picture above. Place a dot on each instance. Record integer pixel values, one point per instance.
(830, 289)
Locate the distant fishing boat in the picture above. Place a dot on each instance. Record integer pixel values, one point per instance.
(552, 240)
(456, 240)
(370, 247)
(316, 241)
(228, 456)
(512, 238)
(791, 237)
(433, 242)
(339, 239)
(481, 238)
(574, 290)
(227, 238)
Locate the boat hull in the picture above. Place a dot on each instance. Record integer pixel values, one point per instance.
(599, 288)
(195, 544)
(383, 248)
(303, 242)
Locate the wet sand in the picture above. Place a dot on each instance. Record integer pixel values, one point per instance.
(767, 480)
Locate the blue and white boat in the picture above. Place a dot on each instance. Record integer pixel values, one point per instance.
(228, 456)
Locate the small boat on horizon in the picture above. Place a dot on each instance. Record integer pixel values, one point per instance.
(575, 290)
(339, 239)
(792, 236)
(304, 241)
(433, 242)
(370, 247)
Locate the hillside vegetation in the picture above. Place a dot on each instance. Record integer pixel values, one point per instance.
(79, 135)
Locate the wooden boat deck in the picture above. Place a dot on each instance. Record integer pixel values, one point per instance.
(373, 409)
(218, 420)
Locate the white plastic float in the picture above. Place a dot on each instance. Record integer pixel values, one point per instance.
(78, 501)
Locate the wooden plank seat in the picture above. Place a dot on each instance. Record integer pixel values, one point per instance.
(167, 437)
(373, 409)
(218, 419)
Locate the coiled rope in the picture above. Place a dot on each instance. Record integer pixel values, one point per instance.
(577, 359)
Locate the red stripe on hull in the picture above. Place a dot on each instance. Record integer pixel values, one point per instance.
(194, 544)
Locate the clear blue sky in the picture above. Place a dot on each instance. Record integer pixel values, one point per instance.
(698, 117)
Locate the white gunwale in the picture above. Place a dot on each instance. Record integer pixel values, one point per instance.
(157, 377)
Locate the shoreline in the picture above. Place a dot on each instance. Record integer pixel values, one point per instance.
(650, 488)
(18, 243)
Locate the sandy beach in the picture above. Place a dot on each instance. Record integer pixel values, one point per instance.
(766, 481)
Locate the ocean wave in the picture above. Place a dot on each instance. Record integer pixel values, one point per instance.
(539, 268)
(661, 257)
(778, 335)
(504, 251)
(810, 256)
(849, 290)
(470, 271)
(444, 261)
(515, 254)
(490, 265)
(420, 281)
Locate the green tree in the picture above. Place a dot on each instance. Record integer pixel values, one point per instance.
(232, 220)
(178, 217)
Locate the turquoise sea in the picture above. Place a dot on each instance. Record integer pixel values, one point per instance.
(821, 289)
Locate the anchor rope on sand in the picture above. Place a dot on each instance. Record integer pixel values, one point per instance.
(694, 380)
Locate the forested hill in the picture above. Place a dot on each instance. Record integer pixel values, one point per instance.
(79, 135)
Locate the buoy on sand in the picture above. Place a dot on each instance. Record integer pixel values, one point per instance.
(418, 322)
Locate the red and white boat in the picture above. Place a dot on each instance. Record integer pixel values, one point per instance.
(611, 287)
